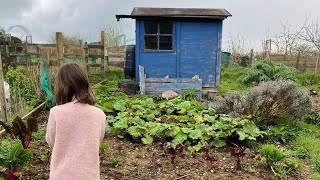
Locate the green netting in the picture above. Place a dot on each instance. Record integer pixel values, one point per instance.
(27, 59)
(44, 82)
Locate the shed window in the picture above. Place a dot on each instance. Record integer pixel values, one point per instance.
(158, 35)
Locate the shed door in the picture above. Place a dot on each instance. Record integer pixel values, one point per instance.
(198, 47)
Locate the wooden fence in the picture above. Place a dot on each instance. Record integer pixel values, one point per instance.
(304, 63)
(56, 54)
(116, 56)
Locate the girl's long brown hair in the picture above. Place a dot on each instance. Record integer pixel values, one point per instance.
(72, 82)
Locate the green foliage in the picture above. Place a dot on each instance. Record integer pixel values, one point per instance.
(177, 119)
(286, 166)
(272, 154)
(21, 87)
(39, 135)
(278, 160)
(13, 155)
(308, 79)
(314, 117)
(115, 160)
(266, 70)
(283, 132)
(230, 79)
(20, 83)
(103, 147)
(307, 145)
(190, 94)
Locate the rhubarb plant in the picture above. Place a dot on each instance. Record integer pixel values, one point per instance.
(13, 157)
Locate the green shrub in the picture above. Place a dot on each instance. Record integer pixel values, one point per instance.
(284, 131)
(272, 153)
(267, 102)
(266, 70)
(277, 160)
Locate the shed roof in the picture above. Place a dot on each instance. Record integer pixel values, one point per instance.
(195, 13)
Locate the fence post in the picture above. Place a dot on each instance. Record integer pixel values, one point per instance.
(317, 64)
(251, 56)
(102, 39)
(298, 60)
(4, 113)
(59, 41)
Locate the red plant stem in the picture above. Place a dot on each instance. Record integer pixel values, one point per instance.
(239, 168)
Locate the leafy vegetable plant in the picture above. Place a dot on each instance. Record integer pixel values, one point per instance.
(13, 157)
(277, 160)
(24, 131)
(172, 152)
(21, 130)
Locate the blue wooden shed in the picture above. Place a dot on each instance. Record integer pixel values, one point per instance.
(179, 42)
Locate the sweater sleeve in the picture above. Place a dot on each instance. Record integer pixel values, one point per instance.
(103, 130)
(51, 130)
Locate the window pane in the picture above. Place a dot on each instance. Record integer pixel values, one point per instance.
(165, 27)
(150, 42)
(150, 27)
(165, 43)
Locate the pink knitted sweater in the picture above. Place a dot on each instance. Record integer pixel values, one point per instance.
(74, 132)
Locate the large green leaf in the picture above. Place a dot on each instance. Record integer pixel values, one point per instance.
(218, 143)
(173, 130)
(120, 105)
(179, 139)
(147, 139)
(197, 147)
(150, 117)
(135, 131)
(195, 134)
(121, 124)
(156, 129)
(18, 156)
(249, 132)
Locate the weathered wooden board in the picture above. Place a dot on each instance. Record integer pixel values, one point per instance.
(176, 85)
(170, 80)
(142, 82)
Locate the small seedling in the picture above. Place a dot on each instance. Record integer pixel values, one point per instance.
(208, 155)
(172, 152)
(119, 148)
(152, 155)
(194, 157)
(103, 147)
(115, 160)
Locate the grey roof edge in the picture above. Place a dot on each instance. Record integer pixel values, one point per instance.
(195, 13)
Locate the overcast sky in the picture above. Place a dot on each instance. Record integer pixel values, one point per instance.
(251, 18)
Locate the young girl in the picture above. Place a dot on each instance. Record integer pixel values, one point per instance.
(75, 127)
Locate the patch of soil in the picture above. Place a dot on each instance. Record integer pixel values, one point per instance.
(316, 100)
(123, 159)
(144, 162)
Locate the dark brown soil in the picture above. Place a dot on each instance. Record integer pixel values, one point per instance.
(126, 160)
